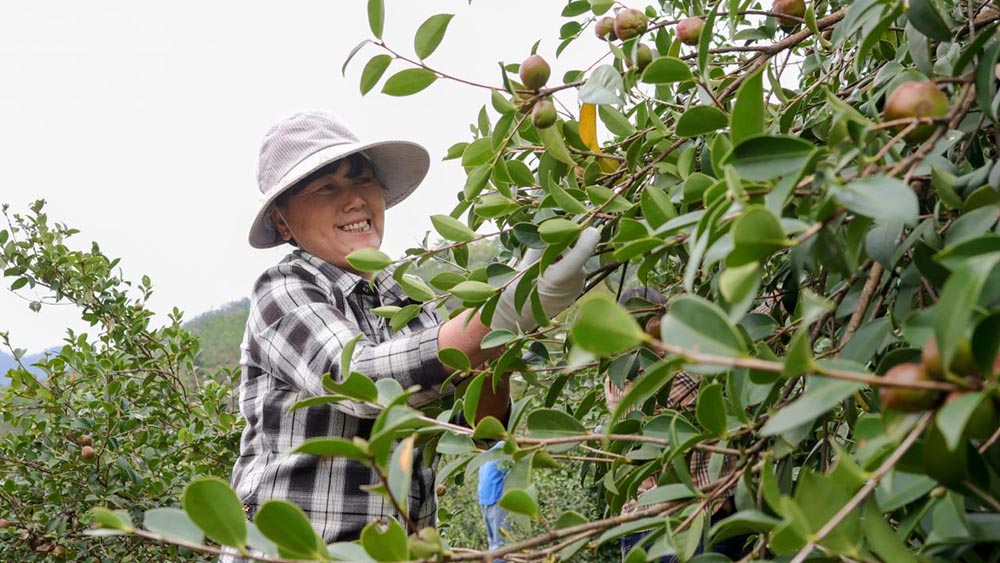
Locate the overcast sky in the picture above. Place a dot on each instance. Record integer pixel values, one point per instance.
(140, 122)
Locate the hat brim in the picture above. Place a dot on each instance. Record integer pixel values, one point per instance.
(400, 166)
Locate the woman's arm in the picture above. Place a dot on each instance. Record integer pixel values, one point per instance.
(466, 334)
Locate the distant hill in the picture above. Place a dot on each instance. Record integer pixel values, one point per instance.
(7, 363)
(220, 332)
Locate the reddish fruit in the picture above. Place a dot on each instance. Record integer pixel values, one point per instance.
(794, 8)
(534, 72)
(630, 23)
(543, 115)
(441, 490)
(85, 440)
(59, 550)
(605, 28)
(4, 523)
(652, 327)
(907, 399)
(918, 98)
(689, 30)
(88, 452)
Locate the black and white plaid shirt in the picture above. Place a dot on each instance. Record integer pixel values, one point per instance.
(302, 312)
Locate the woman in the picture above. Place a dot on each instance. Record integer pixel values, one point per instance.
(325, 192)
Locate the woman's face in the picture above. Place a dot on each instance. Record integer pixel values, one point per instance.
(335, 215)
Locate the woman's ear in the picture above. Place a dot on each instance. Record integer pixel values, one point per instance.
(279, 223)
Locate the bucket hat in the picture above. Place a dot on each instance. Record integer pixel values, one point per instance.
(304, 142)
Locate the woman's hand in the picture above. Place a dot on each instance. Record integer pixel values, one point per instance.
(558, 286)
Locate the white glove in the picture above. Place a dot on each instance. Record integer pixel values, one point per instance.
(558, 286)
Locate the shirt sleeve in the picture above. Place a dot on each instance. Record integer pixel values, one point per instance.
(303, 335)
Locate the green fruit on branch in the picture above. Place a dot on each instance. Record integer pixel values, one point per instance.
(630, 23)
(88, 453)
(534, 72)
(794, 8)
(918, 98)
(643, 56)
(907, 399)
(689, 30)
(543, 115)
(983, 421)
(962, 363)
(605, 28)
(950, 468)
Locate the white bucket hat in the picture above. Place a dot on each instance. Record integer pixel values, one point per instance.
(305, 142)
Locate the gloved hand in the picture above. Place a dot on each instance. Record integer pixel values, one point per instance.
(558, 286)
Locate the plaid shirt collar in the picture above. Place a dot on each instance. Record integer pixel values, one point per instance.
(385, 286)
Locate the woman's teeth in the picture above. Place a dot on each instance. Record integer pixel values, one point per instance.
(359, 227)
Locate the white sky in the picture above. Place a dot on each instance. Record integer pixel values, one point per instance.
(139, 122)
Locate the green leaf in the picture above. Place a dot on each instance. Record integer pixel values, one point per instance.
(215, 508)
(455, 359)
(616, 121)
(555, 145)
(748, 112)
(368, 260)
(355, 386)
(346, 353)
(520, 501)
(558, 230)
(385, 542)
(287, 526)
(376, 17)
(114, 520)
(711, 409)
(476, 181)
(478, 152)
(473, 291)
(602, 87)
(408, 81)
(928, 19)
(656, 206)
(401, 472)
(958, 298)
(764, 157)
(757, 234)
(489, 428)
(742, 523)
(173, 524)
(562, 198)
(652, 380)
(334, 447)
(452, 229)
(700, 120)
(403, 317)
(821, 395)
(430, 33)
(415, 288)
(697, 325)
(881, 198)
(882, 538)
(553, 423)
(664, 70)
(373, 72)
(605, 327)
(986, 86)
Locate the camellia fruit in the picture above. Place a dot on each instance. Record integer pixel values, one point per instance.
(652, 327)
(605, 28)
(907, 399)
(982, 422)
(4, 523)
(534, 72)
(88, 452)
(85, 440)
(918, 98)
(643, 56)
(794, 8)
(544, 114)
(630, 23)
(689, 30)
(962, 363)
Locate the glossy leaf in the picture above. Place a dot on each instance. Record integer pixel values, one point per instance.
(430, 33)
(700, 120)
(409, 81)
(214, 507)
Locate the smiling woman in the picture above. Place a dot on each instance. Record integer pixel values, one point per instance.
(325, 191)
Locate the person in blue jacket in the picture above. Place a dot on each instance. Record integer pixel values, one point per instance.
(492, 476)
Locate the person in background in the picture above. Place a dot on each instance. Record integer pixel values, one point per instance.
(683, 392)
(325, 192)
(492, 476)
